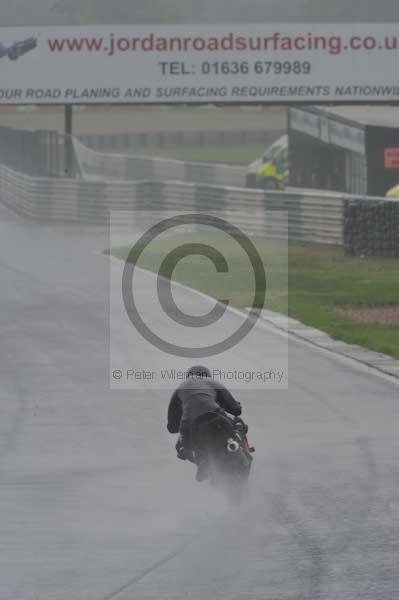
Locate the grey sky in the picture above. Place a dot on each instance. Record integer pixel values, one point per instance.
(40, 12)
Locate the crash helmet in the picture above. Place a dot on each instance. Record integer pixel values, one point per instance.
(198, 371)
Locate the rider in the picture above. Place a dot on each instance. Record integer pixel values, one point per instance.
(197, 395)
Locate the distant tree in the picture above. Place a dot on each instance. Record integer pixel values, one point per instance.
(122, 11)
(223, 11)
(342, 10)
(176, 11)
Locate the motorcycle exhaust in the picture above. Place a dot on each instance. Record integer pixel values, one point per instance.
(232, 445)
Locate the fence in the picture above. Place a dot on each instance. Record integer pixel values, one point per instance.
(42, 153)
(96, 166)
(123, 142)
(371, 227)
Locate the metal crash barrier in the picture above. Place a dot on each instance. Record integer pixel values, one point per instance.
(311, 217)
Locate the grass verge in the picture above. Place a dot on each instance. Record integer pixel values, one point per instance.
(320, 279)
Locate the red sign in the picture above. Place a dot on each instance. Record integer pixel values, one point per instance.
(391, 158)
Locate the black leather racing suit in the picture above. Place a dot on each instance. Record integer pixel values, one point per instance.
(195, 397)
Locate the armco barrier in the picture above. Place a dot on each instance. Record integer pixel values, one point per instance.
(311, 216)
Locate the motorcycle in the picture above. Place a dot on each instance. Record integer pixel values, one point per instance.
(222, 452)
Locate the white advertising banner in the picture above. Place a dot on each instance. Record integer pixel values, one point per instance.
(197, 64)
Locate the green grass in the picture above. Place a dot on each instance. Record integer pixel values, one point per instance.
(320, 278)
(241, 154)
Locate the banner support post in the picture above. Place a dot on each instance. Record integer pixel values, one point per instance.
(68, 148)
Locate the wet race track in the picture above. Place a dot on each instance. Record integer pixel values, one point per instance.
(93, 504)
